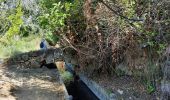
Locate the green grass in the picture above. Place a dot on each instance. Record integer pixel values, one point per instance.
(11, 47)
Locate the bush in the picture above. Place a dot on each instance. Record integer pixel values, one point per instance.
(51, 38)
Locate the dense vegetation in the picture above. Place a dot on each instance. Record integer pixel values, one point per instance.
(103, 35)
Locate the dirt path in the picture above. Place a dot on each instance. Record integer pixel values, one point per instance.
(32, 84)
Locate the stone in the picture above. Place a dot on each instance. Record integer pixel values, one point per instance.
(50, 58)
(33, 54)
(25, 57)
(129, 73)
(165, 90)
(112, 95)
(27, 63)
(74, 61)
(166, 72)
(34, 64)
(120, 91)
(70, 97)
(57, 45)
(165, 87)
(168, 63)
(17, 58)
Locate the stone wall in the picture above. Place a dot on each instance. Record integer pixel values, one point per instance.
(33, 58)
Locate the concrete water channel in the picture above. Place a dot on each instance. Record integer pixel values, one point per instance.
(79, 91)
(82, 88)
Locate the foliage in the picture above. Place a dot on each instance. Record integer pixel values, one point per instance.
(53, 18)
(26, 30)
(150, 88)
(119, 72)
(51, 38)
(129, 5)
(2, 1)
(4, 25)
(4, 21)
(16, 21)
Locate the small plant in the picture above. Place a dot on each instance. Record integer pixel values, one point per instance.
(150, 87)
(67, 77)
(109, 91)
(119, 72)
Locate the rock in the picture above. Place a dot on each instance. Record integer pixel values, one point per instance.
(167, 72)
(129, 73)
(112, 96)
(21, 61)
(1, 61)
(123, 68)
(33, 54)
(74, 61)
(14, 66)
(168, 63)
(17, 58)
(165, 87)
(70, 97)
(34, 64)
(25, 57)
(120, 91)
(27, 63)
(57, 45)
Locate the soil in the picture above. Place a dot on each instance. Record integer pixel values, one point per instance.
(126, 88)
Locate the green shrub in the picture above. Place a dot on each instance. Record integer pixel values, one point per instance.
(51, 38)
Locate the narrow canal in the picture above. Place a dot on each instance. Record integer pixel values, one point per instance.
(77, 88)
(79, 91)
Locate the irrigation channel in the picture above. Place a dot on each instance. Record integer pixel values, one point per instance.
(78, 89)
